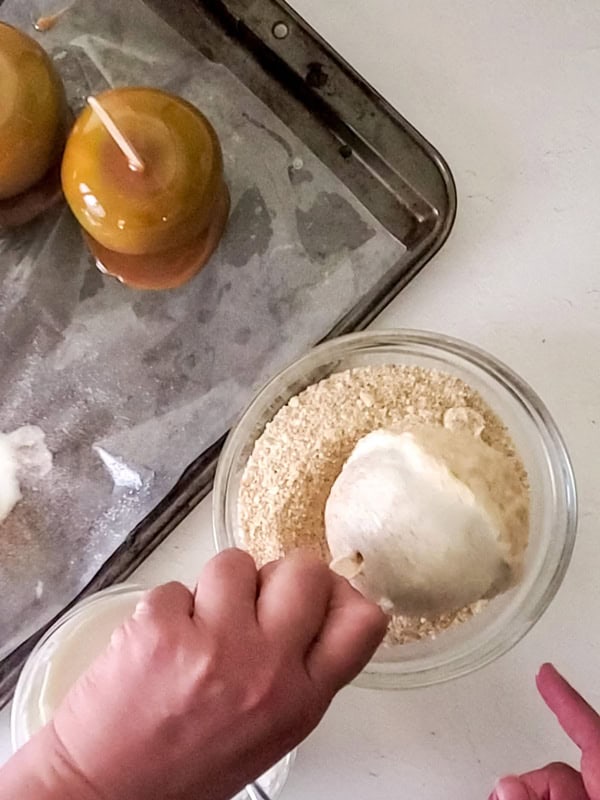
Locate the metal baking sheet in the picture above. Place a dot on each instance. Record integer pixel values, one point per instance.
(337, 202)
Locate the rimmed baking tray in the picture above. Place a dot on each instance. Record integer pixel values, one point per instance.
(353, 202)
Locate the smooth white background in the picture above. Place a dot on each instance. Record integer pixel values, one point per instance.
(509, 93)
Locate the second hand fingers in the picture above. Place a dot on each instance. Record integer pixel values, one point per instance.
(576, 717)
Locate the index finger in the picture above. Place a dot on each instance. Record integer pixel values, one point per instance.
(576, 717)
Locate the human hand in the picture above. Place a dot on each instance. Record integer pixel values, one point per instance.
(582, 725)
(197, 695)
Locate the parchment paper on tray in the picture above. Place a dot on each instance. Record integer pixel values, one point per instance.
(129, 387)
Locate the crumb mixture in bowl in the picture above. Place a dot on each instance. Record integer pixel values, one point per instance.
(279, 464)
(296, 460)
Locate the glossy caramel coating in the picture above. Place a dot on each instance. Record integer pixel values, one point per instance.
(168, 205)
(32, 113)
(169, 268)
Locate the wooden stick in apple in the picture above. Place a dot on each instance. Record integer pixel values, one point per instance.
(133, 159)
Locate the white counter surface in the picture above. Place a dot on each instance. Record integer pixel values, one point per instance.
(508, 92)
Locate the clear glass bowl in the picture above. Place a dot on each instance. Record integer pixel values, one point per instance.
(506, 619)
(85, 630)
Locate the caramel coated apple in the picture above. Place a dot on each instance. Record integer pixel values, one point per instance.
(33, 112)
(172, 203)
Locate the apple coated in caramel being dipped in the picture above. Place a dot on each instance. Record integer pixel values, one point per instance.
(33, 127)
(143, 174)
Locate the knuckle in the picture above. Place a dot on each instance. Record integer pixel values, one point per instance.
(206, 677)
(274, 688)
(206, 665)
(263, 694)
(227, 566)
(150, 634)
(316, 566)
(268, 568)
(310, 572)
(170, 587)
(146, 611)
(118, 638)
(155, 598)
(233, 557)
(201, 683)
